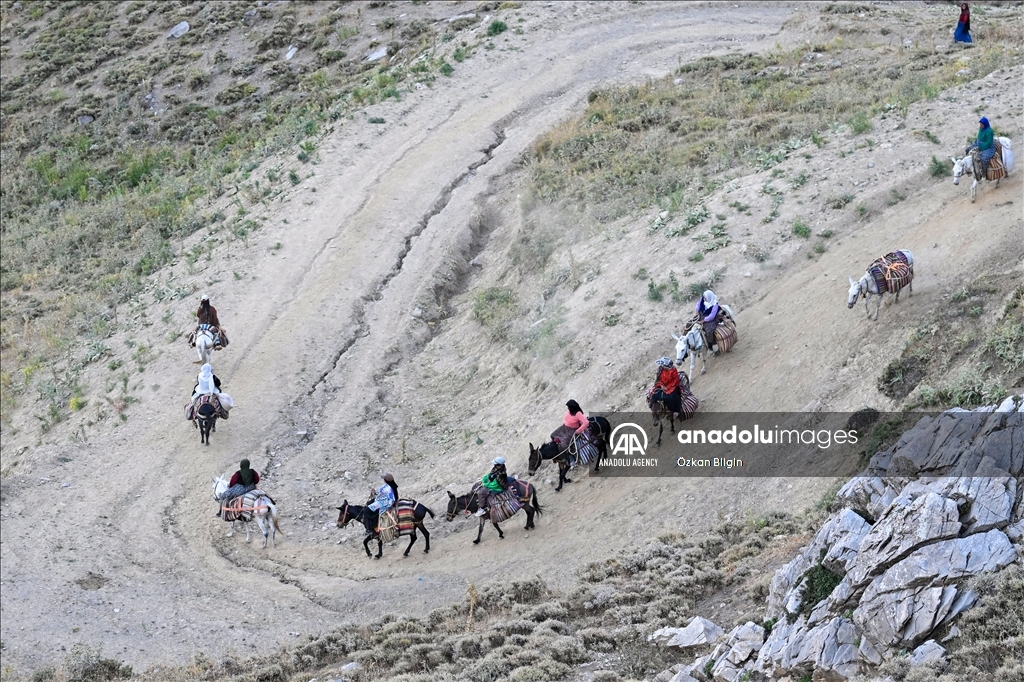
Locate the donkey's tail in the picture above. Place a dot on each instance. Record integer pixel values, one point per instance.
(428, 510)
(536, 504)
(273, 517)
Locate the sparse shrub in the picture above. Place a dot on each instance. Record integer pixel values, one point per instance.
(84, 664)
(938, 168)
(496, 27)
(446, 69)
(655, 292)
(859, 123)
(375, 119)
(800, 229)
(696, 257)
(840, 202)
(293, 177)
(494, 308)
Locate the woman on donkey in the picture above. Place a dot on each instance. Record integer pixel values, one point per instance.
(985, 144)
(574, 423)
(207, 314)
(494, 482)
(243, 481)
(666, 386)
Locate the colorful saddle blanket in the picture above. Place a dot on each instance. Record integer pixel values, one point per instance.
(397, 521)
(243, 507)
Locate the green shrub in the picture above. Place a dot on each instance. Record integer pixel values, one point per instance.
(939, 168)
(497, 27)
(800, 229)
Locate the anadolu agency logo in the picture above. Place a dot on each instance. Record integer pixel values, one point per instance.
(628, 440)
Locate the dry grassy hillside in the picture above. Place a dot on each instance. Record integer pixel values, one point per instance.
(425, 230)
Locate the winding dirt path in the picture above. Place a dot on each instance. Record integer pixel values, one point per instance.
(335, 345)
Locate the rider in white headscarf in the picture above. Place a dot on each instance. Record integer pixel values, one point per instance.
(209, 384)
(707, 311)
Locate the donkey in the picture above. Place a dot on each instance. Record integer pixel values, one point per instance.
(205, 341)
(896, 270)
(660, 411)
(526, 492)
(971, 165)
(255, 504)
(692, 344)
(600, 431)
(206, 420)
(369, 518)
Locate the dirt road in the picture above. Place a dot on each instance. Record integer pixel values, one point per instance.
(353, 353)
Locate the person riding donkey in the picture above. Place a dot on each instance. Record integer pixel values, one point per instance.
(666, 386)
(208, 384)
(985, 144)
(707, 312)
(494, 482)
(574, 423)
(207, 315)
(243, 481)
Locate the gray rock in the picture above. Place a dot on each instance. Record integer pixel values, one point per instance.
(929, 652)
(250, 17)
(85, 119)
(699, 632)
(178, 31)
(906, 525)
(683, 676)
(905, 604)
(291, 52)
(379, 53)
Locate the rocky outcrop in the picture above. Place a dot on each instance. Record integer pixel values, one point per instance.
(699, 632)
(939, 507)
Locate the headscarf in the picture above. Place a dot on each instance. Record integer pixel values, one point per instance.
(499, 460)
(984, 122)
(574, 407)
(710, 300)
(245, 474)
(664, 362)
(206, 383)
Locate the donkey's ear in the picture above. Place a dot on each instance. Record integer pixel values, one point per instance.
(676, 337)
(450, 494)
(852, 282)
(531, 447)
(214, 479)
(953, 159)
(341, 508)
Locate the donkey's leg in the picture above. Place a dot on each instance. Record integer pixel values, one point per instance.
(412, 541)
(660, 427)
(261, 522)
(529, 516)
(366, 545)
(426, 536)
(248, 531)
(231, 529)
(480, 531)
(380, 548)
(501, 536)
(974, 190)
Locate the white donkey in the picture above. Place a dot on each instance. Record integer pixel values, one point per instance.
(968, 166)
(205, 341)
(255, 505)
(868, 287)
(694, 343)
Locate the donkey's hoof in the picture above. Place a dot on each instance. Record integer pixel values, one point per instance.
(476, 542)
(426, 551)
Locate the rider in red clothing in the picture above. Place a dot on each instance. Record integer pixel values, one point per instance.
(666, 386)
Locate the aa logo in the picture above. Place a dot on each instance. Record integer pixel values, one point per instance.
(629, 439)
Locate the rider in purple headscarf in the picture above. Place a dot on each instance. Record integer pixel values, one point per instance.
(707, 310)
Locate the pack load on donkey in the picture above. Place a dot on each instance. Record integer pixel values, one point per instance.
(892, 272)
(397, 521)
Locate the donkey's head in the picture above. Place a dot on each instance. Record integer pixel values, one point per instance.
(960, 167)
(854, 293)
(690, 342)
(219, 486)
(344, 514)
(453, 507)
